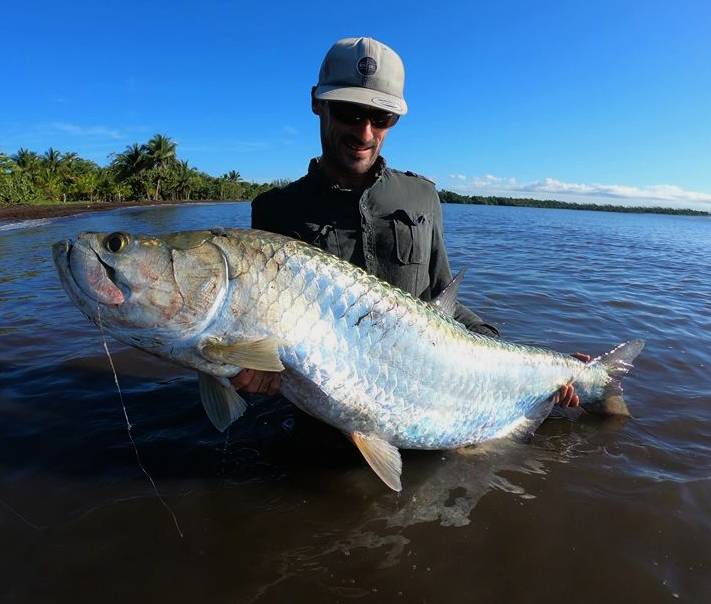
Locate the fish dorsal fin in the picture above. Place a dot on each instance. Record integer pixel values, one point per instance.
(257, 354)
(447, 298)
(222, 403)
(382, 457)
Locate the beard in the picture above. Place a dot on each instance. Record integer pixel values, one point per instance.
(350, 154)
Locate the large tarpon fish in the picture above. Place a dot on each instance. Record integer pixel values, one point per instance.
(387, 369)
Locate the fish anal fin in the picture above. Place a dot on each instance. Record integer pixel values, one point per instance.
(256, 354)
(382, 457)
(222, 403)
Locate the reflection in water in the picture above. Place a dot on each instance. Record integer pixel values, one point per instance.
(443, 488)
(450, 492)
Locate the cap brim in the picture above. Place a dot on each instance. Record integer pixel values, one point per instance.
(362, 96)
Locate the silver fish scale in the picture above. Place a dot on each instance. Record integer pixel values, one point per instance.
(364, 356)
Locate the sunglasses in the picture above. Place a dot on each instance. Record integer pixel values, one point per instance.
(354, 115)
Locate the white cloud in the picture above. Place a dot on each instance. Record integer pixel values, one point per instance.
(495, 185)
(87, 130)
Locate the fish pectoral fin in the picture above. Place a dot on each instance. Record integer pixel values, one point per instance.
(222, 403)
(257, 354)
(382, 457)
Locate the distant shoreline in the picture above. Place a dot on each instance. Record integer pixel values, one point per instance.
(552, 204)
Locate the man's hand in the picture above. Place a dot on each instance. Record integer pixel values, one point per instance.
(257, 382)
(566, 396)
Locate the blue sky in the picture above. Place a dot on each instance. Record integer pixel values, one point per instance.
(590, 101)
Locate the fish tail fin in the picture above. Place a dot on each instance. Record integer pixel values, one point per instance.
(617, 363)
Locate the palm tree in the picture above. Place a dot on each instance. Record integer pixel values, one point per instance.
(161, 153)
(129, 163)
(183, 177)
(51, 160)
(68, 159)
(27, 161)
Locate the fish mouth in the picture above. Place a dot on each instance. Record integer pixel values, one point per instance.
(80, 266)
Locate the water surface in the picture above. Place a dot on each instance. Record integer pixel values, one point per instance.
(282, 508)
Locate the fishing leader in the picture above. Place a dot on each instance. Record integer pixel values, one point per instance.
(352, 204)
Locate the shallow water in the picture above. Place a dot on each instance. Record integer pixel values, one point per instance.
(282, 508)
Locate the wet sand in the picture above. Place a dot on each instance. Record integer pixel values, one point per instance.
(33, 212)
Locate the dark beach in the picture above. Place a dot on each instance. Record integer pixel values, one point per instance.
(34, 212)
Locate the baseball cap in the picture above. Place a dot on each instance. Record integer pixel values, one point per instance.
(364, 71)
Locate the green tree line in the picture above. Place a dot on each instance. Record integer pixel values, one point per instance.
(452, 197)
(141, 171)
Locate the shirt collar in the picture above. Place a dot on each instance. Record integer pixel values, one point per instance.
(319, 178)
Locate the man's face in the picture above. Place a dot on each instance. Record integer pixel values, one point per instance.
(350, 148)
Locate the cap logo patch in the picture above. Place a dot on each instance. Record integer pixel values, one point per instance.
(367, 66)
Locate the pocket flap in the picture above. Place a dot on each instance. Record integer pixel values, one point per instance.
(410, 230)
(409, 217)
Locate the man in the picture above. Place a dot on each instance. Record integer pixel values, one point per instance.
(353, 205)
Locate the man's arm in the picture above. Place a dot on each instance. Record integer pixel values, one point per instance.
(473, 322)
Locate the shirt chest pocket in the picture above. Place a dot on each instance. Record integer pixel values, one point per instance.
(412, 235)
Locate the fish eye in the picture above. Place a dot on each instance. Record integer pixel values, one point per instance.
(115, 242)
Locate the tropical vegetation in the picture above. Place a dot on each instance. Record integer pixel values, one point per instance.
(153, 171)
(150, 171)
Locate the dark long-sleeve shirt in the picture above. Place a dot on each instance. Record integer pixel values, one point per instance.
(392, 229)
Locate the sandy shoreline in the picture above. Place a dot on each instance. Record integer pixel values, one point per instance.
(32, 212)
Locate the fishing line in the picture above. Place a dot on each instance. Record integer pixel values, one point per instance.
(128, 426)
(225, 447)
(8, 507)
